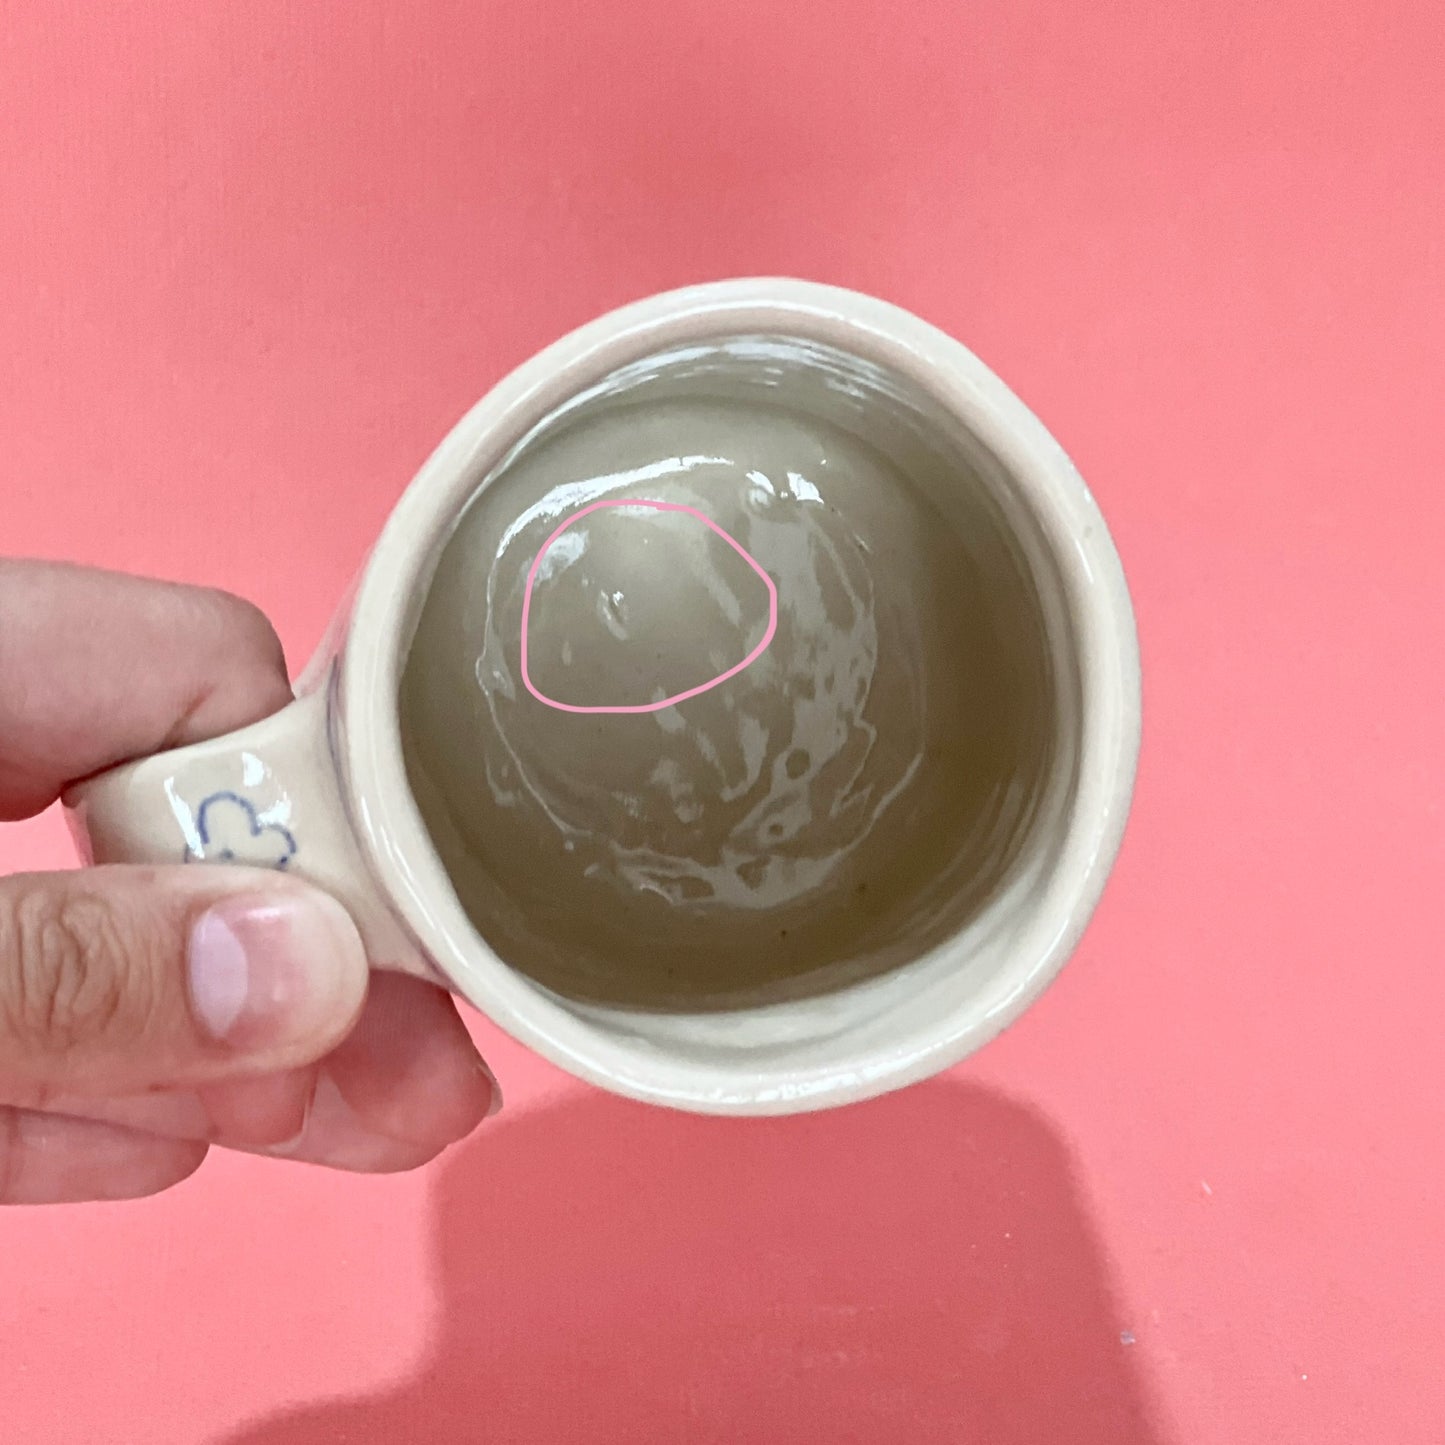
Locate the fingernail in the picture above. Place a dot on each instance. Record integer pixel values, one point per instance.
(494, 1105)
(336, 1136)
(275, 971)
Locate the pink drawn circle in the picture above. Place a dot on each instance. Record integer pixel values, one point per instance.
(677, 697)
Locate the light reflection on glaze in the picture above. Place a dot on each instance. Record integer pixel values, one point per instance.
(819, 768)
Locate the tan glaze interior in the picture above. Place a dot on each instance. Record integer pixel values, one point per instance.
(890, 773)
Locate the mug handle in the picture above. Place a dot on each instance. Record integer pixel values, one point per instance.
(269, 796)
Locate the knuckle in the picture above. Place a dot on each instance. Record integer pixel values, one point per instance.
(71, 975)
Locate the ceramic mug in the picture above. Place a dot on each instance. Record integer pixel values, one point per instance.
(322, 788)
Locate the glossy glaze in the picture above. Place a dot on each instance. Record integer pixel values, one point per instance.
(839, 804)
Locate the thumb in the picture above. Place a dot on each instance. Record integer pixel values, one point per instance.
(116, 980)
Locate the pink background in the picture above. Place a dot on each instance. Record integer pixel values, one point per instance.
(255, 258)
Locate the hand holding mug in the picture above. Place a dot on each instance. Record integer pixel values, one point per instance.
(148, 1012)
(834, 873)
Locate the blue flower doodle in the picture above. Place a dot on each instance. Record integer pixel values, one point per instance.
(229, 830)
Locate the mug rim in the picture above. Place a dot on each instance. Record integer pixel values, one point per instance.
(393, 835)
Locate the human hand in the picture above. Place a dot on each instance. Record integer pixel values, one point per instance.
(147, 1013)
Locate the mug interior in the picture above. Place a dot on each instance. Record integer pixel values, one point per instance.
(975, 894)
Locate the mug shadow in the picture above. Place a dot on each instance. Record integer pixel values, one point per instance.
(918, 1268)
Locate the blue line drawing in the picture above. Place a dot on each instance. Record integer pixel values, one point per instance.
(277, 845)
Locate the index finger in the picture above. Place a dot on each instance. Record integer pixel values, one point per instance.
(97, 668)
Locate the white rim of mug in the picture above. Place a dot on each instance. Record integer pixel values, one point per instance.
(394, 836)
